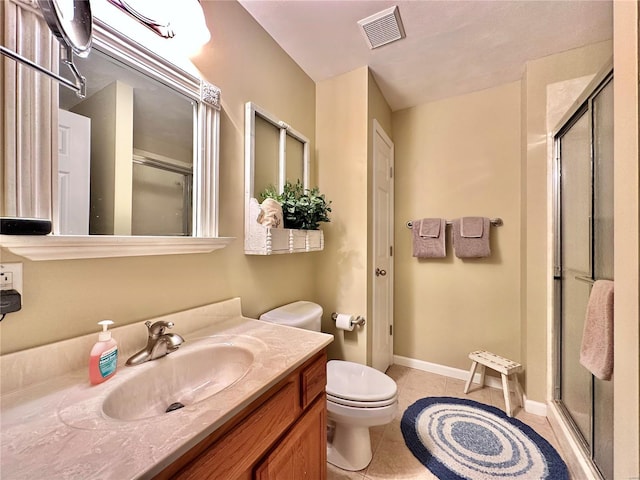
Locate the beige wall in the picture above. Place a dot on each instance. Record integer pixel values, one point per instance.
(341, 109)
(64, 299)
(473, 143)
(536, 291)
(626, 424)
(378, 109)
(346, 106)
(111, 167)
(166, 147)
(123, 188)
(459, 157)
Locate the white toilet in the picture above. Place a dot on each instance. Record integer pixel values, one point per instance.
(358, 397)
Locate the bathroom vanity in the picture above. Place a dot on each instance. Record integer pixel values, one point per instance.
(267, 402)
(280, 435)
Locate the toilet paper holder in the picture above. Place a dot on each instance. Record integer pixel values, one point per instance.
(359, 320)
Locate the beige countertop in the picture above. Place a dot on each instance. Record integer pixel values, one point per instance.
(56, 427)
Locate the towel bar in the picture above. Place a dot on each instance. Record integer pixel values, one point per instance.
(496, 222)
(359, 320)
(585, 279)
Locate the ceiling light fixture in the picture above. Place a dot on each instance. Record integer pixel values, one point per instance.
(383, 27)
(183, 22)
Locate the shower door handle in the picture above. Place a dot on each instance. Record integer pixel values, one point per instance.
(380, 273)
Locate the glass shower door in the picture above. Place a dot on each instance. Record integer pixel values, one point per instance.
(584, 224)
(575, 224)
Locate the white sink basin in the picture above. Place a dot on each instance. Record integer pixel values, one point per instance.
(183, 377)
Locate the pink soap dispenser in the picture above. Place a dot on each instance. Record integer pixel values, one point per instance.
(104, 356)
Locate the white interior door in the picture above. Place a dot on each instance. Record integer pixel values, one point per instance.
(74, 159)
(382, 271)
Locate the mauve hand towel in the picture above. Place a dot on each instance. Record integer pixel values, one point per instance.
(471, 227)
(472, 246)
(596, 350)
(429, 238)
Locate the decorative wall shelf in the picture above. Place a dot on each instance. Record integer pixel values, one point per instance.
(258, 239)
(261, 240)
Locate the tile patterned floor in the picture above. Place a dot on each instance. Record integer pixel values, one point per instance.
(391, 458)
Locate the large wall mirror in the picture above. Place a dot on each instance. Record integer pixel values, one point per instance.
(137, 158)
(126, 154)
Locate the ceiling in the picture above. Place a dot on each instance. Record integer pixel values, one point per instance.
(451, 47)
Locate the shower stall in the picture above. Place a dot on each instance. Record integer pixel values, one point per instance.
(583, 237)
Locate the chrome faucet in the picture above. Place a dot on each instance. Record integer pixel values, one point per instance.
(159, 343)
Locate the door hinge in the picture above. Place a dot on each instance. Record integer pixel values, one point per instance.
(390, 329)
(391, 250)
(390, 172)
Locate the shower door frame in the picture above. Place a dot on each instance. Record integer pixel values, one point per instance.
(582, 106)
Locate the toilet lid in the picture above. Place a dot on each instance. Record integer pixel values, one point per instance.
(353, 381)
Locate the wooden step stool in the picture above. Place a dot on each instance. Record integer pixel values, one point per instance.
(500, 364)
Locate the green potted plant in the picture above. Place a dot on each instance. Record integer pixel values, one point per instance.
(301, 208)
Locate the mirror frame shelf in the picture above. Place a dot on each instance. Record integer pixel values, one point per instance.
(70, 247)
(204, 237)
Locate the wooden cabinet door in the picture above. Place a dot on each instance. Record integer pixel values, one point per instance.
(302, 454)
(233, 456)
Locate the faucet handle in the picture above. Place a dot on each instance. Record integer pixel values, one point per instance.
(157, 328)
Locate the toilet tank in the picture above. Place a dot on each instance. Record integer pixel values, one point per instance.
(301, 314)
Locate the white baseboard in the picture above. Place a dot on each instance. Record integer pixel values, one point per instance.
(535, 408)
(530, 406)
(445, 371)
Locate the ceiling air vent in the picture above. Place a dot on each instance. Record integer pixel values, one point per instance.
(383, 27)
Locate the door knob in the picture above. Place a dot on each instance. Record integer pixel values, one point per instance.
(380, 272)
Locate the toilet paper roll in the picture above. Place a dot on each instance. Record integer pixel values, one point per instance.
(343, 321)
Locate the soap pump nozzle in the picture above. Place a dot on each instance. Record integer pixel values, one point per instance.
(105, 334)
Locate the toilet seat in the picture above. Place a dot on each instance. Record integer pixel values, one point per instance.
(354, 403)
(353, 382)
(361, 417)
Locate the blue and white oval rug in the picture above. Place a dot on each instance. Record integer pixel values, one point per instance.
(461, 439)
